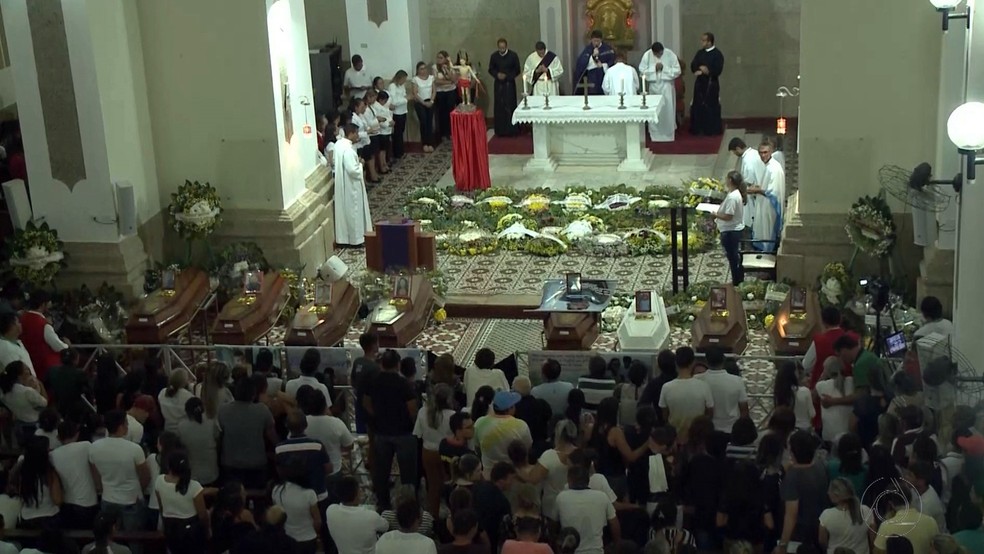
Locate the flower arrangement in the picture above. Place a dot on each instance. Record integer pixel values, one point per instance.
(836, 284)
(195, 210)
(612, 316)
(702, 190)
(374, 286)
(101, 312)
(545, 246)
(871, 227)
(471, 242)
(35, 253)
(232, 262)
(535, 203)
(644, 242)
(618, 201)
(603, 246)
(576, 202)
(295, 290)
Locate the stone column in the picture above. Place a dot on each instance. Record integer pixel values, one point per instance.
(850, 125)
(556, 32)
(229, 83)
(666, 24)
(81, 97)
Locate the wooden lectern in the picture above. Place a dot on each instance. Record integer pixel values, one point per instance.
(161, 314)
(792, 332)
(727, 329)
(401, 331)
(397, 245)
(325, 326)
(244, 319)
(571, 330)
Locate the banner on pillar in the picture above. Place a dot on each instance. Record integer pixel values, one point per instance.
(377, 11)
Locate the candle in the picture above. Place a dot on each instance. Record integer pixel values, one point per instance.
(526, 85)
(644, 84)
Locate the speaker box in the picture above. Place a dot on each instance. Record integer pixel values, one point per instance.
(18, 204)
(126, 208)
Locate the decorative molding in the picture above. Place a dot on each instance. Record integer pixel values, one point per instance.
(377, 12)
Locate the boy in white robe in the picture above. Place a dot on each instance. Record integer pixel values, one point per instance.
(621, 77)
(660, 69)
(352, 217)
(752, 172)
(771, 202)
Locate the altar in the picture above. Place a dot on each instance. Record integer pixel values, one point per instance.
(604, 136)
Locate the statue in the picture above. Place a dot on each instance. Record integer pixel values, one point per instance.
(615, 19)
(467, 79)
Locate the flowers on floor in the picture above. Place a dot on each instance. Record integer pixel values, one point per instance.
(760, 310)
(195, 210)
(617, 220)
(35, 254)
(871, 227)
(704, 189)
(612, 317)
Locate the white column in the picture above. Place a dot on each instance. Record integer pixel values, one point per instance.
(666, 23)
(634, 140)
(968, 298)
(397, 43)
(541, 160)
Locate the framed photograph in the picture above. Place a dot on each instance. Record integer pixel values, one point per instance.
(797, 300)
(719, 298)
(401, 287)
(253, 283)
(322, 293)
(643, 301)
(572, 283)
(169, 278)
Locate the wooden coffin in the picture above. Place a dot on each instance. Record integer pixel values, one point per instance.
(403, 331)
(792, 334)
(728, 332)
(313, 326)
(571, 330)
(159, 315)
(243, 319)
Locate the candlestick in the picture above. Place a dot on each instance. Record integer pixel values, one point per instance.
(526, 102)
(621, 100)
(644, 106)
(546, 101)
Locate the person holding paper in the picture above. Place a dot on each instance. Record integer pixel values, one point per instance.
(621, 77)
(729, 218)
(541, 71)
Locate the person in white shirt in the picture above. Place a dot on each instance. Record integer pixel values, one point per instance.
(432, 426)
(933, 339)
(398, 102)
(310, 363)
(836, 419)
(385, 117)
(588, 511)
(481, 373)
(364, 120)
(847, 523)
(446, 87)
(770, 207)
(40, 487)
(300, 504)
(752, 171)
(424, 95)
(375, 121)
(357, 80)
(660, 68)
(728, 391)
(173, 398)
(11, 348)
(685, 398)
(22, 395)
(80, 502)
(121, 468)
(329, 431)
(920, 474)
(790, 393)
(730, 222)
(353, 527)
(620, 78)
(182, 505)
(406, 540)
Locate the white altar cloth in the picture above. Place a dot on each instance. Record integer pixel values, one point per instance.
(603, 136)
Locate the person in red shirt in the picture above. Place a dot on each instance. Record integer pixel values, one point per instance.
(823, 348)
(40, 339)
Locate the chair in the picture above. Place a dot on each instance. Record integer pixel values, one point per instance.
(759, 262)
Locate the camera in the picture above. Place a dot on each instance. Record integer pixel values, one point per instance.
(879, 291)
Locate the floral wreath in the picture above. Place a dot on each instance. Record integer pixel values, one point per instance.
(36, 254)
(471, 242)
(195, 210)
(644, 242)
(545, 246)
(871, 227)
(836, 284)
(702, 190)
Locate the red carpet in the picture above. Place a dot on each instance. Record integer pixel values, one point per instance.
(685, 143)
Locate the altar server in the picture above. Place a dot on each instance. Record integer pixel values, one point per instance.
(621, 77)
(592, 64)
(660, 69)
(752, 172)
(770, 204)
(705, 111)
(542, 71)
(352, 218)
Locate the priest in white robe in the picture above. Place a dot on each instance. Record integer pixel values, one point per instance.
(352, 218)
(660, 69)
(620, 78)
(541, 72)
(770, 205)
(752, 172)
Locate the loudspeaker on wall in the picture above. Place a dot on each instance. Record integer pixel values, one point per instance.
(126, 208)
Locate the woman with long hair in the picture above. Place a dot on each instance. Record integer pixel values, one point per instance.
(790, 393)
(230, 520)
(40, 488)
(182, 504)
(423, 94)
(769, 462)
(214, 388)
(482, 402)
(201, 435)
(849, 462)
(847, 522)
(889, 430)
(300, 502)
(168, 443)
(397, 90)
(834, 383)
(446, 92)
(173, 398)
(614, 453)
(729, 218)
(433, 426)
(637, 476)
(103, 530)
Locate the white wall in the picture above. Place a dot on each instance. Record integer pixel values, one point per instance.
(388, 47)
(288, 48)
(211, 102)
(71, 212)
(326, 22)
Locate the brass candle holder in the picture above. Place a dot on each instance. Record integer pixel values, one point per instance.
(526, 101)
(621, 100)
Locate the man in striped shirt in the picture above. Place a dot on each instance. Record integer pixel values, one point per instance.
(598, 385)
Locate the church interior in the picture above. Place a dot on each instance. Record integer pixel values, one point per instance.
(186, 183)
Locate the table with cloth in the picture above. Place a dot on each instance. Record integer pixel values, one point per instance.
(469, 150)
(603, 136)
